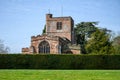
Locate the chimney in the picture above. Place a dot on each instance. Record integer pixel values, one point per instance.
(48, 16)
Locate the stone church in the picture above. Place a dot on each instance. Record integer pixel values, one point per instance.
(58, 39)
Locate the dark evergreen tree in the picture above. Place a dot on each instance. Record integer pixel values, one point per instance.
(100, 43)
(116, 44)
(44, 30)
(83, 31)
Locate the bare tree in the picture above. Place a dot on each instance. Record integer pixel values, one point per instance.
(3, 48)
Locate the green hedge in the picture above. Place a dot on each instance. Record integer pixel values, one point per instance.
(20, 61)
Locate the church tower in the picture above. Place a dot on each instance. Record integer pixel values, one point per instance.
(60, 26)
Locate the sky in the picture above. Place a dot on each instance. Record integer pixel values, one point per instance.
(21, 19)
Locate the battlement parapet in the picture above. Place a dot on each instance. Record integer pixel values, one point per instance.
(25, 50)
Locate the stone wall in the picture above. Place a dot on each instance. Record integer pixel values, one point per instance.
(52, 40)
(25, 50)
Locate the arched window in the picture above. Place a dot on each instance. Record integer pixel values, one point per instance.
(59, 49)
(44, 47)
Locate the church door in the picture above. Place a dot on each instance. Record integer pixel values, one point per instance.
(44, 47)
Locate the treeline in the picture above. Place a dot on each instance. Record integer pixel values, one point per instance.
(96, 40)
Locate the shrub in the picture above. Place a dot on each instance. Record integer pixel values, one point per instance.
(20, 61)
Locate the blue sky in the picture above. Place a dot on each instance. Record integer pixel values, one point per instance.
(21, 19)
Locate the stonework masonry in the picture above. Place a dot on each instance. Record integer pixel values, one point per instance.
(67, 29)
(59, 33)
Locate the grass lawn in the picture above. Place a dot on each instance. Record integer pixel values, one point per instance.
(59, 74)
